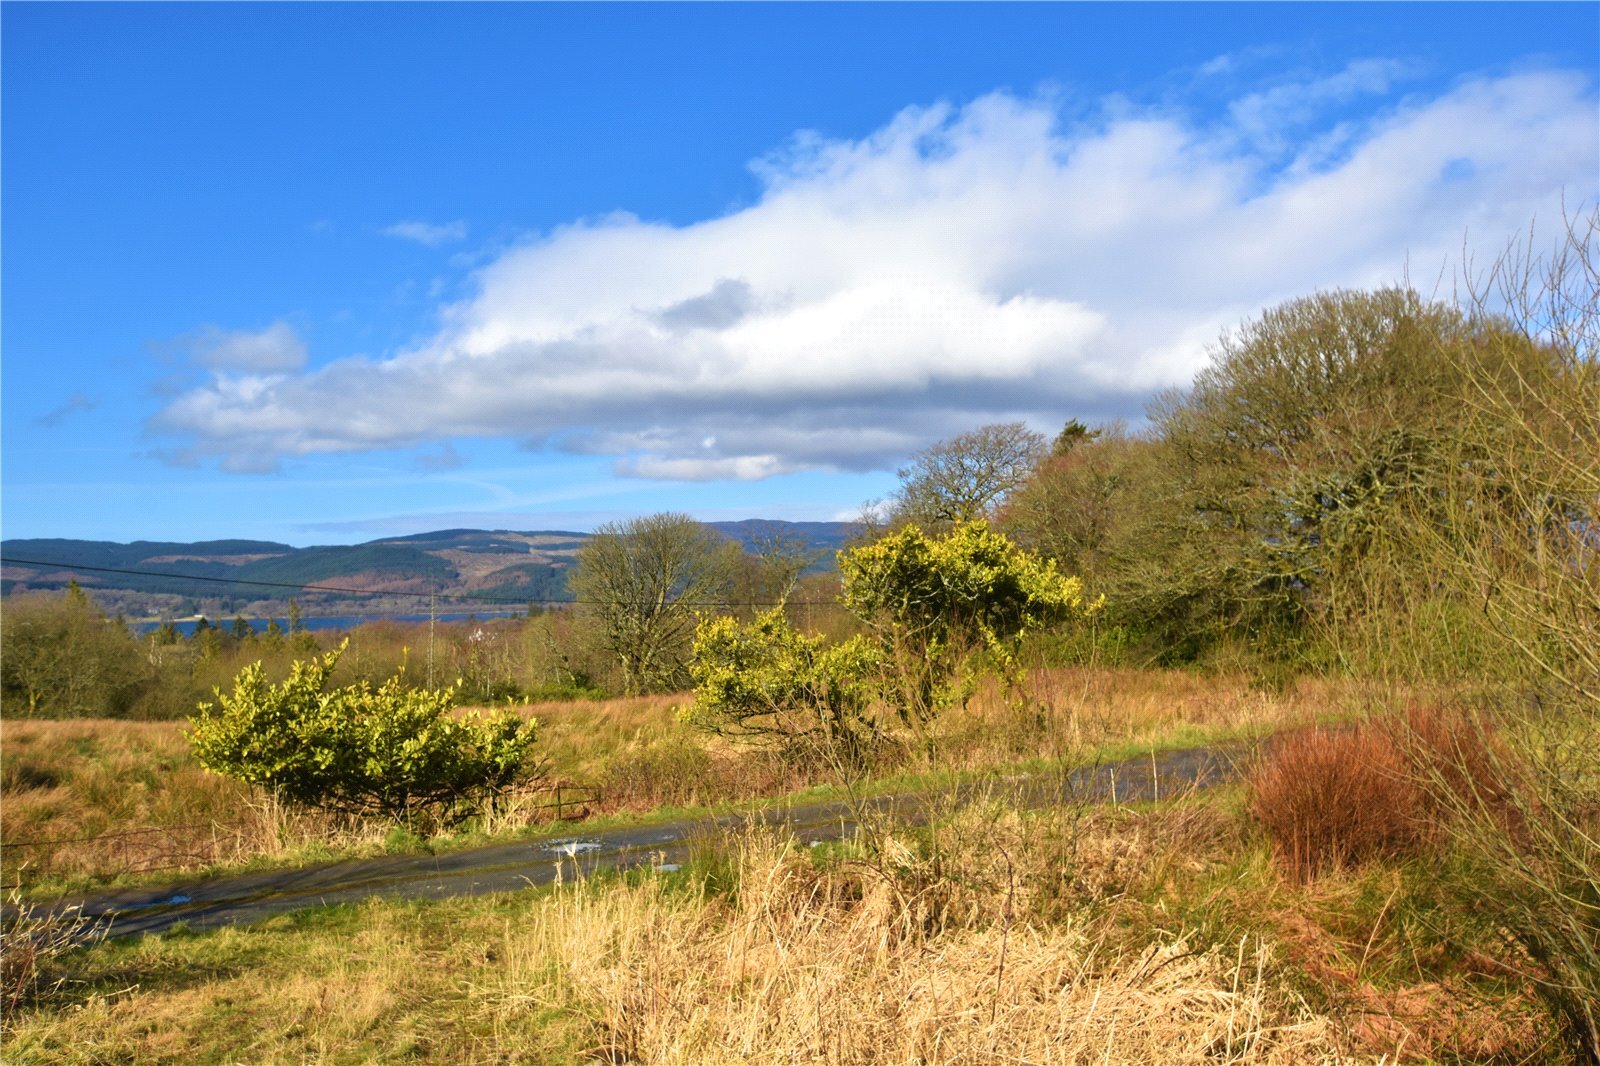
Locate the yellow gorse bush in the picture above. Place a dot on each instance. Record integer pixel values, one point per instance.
(938, 607)
(388, 750)
(937, 610)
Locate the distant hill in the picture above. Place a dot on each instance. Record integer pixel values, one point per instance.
(454, 567)
(825, 538)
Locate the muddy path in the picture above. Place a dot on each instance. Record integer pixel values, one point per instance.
(244, 898)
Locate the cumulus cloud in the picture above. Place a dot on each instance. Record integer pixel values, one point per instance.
(427, 233)
(276, 349)
(960, 265)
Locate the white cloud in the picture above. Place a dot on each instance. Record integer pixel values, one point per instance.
(737, 468)
(960, 265)
(427, 233)
(1270, 115)
(276, 349)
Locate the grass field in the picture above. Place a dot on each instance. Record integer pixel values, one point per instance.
(81, 782)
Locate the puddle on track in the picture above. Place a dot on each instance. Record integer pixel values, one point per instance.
(572, 848)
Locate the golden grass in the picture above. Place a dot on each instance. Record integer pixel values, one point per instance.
(73, 779)
(1072, 710)
(65, 780)
(579, 737)
(102, 798)
(644, 757)
(844, 963)
(383, 982)
(849, 964)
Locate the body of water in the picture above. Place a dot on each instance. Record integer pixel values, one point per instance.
(336, 623)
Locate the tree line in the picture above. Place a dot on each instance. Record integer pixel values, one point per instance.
(1338, 490)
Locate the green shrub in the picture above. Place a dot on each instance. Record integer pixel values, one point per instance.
(389, 750)
(61, 657)
(939, 613)
(1089, 641)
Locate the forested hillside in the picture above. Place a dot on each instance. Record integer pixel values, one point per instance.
(466, 568)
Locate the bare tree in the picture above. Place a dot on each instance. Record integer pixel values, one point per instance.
(1520, 540)
(770, 568)
(642, 581)
(964, 478)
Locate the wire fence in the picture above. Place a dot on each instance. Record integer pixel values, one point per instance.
(193, 845)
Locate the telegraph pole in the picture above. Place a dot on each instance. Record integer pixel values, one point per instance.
(433, 618)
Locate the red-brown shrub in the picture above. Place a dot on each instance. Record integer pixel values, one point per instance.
(1337, 797)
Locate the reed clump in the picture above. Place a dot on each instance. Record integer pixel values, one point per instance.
(1333, 798)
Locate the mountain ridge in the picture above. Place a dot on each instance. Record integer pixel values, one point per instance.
(223, 577)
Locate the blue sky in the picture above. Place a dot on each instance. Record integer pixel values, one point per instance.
(322, 273)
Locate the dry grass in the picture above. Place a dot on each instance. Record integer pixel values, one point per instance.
(383, 982)
(796, 968)
(97, 798)
(32, 944)
(686, 772)
(69, 780)
(640, 757)
(579, 737)
(643, 757)
(1392, 991)
(87, 778)
(845, 965)
(1065, 711)
(1065, 936)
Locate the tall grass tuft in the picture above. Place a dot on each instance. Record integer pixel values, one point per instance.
(33, 943)
(1520, 806)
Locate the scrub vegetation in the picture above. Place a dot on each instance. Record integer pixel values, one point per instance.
(1362, 550)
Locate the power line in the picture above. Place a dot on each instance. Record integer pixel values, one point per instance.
(213, 580)
(459, 598)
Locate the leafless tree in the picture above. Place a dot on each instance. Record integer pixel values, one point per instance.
(964, 478)
(642, 581)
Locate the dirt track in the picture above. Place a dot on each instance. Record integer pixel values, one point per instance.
(207, 904)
